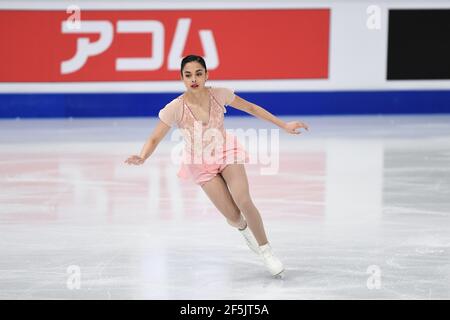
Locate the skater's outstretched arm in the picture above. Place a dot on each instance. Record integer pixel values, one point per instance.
(155, 138)
(259, 112)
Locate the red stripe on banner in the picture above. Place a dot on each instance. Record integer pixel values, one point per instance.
(248, 44)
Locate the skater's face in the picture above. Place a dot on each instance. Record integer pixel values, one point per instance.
(194, 76)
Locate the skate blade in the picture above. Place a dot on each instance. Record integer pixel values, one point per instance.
(279, 275)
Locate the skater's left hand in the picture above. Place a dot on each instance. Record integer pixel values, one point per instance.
(291, 127)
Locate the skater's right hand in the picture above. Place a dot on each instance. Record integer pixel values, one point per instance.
(136, 160)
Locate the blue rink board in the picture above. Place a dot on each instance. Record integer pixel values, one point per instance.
(60, 105)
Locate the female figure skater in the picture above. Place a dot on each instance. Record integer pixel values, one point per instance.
(225, 182)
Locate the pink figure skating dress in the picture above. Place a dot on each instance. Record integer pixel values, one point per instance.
(208, 148)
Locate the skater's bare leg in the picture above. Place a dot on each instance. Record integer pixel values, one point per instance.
(236, 180)
(217, 191)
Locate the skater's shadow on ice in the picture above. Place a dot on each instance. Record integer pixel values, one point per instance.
(257, 275)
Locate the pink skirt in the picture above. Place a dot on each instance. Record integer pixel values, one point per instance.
(201, 173)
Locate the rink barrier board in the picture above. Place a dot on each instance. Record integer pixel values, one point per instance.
(60, 105)
(418, 51)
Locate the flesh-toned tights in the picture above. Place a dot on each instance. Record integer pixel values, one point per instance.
(229, 192)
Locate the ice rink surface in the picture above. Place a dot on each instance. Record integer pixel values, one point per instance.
(357, 208)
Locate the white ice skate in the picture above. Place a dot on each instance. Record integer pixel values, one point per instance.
(250, 239)
(272, 263)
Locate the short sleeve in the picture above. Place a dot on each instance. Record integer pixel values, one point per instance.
(224, 96)
(228, 95)
(170, 114)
